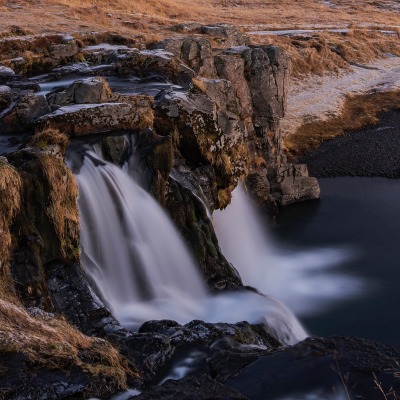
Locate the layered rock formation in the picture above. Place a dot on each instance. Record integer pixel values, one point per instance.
(215, 123)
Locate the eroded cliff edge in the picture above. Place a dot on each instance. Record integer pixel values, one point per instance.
(215, 123)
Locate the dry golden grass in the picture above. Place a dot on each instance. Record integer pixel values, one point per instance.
(358, 112)
(62, 208)
(48, 137)
(70, 15)
(54, 344)
(10, 201)
(329, 52)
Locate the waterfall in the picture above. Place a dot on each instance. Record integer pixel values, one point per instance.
(305, 280)
(142, 269)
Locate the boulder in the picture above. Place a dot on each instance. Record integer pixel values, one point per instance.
(194, 51)
(324, 368)
(5, 97)
(226, 35)
(186, 27)
(86, 119)
(36, 53)
(21, 113)
(6, 71)
(293, 185)
(83, 91)
(157, 62)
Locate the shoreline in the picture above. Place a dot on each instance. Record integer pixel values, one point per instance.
(372, 151)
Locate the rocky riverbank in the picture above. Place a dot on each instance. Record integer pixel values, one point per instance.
(204, 113)
(372, 151)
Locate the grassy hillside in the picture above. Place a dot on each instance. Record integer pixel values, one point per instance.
(155, 14)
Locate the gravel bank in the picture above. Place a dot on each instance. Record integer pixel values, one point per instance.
(373, 151)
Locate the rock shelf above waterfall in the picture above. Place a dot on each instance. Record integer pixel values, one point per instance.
(200, 119)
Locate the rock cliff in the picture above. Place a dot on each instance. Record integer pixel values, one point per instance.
(202, 119)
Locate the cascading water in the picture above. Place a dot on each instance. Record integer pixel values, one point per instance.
(141, 267)
(304, 280)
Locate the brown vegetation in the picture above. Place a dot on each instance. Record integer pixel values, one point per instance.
(10, 202)
(322, 52)
(358, 111)
(51, 343)
(142, 16)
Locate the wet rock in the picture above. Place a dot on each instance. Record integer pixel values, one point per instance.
(191, 388)
(5, 97)
(86, 119)
(156, 155)
(149, 351)
(6, 71)
(80, 68)
(71, 296)
(44, 383)
(200, 332)
(323, 367)
(115, 149)
(84, 91)
(189, 213)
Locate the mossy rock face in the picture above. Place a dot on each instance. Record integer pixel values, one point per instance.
(190, 216)
(43, 220)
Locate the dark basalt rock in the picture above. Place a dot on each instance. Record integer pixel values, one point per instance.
(44, 383)
(191, 388)
(324, 367)
(190, 216)
(201, 332)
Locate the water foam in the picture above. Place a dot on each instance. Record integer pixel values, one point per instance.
(141, 268)
(304, 280)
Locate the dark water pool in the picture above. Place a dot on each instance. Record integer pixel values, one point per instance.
(363, 214)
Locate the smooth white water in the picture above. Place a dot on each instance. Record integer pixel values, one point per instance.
(304, 280)
(140, 266)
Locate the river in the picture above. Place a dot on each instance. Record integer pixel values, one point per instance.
(361, 214)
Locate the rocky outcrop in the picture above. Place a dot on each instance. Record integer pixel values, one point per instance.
(326, 367)
(35, 53)
(200, 332)
(86, 119)
(194, 142)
